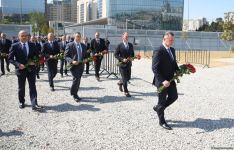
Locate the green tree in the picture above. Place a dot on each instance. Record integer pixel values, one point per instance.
(37, 20)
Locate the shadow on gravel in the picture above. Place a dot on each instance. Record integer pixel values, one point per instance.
(113, 99)
(143, 94)
(208, 125)
(68, 107)
(11, 133)
(91, 88)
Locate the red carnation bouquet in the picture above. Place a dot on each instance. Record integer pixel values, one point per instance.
(137, 56)
(183, 69)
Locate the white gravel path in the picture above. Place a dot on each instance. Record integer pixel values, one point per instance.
(202, 117)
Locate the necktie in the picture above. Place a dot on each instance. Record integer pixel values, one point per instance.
(169, 51)
(79, 53)
(25, 50)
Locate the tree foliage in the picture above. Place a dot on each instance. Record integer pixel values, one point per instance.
(37, 20)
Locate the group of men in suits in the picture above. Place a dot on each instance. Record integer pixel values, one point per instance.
(164, 65)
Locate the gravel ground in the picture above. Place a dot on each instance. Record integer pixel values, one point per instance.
(202, 117)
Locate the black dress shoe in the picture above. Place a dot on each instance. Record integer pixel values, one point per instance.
(38, 77)
(37, 108)
(165, 126)
(21, 105)
(8, 69)
(155, 108)
(87, 72)
(127, 94)
(76, 98)
(52, 89)
(2, 74)
(98, 78)
(120, 87)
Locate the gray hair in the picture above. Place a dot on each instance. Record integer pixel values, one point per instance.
(168, 33)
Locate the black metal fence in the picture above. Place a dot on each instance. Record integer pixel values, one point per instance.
(198, 56)
(109, 64)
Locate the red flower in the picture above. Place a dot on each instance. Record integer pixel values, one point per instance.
(183, 69)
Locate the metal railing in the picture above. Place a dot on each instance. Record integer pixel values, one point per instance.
(198, 56)
(109, 64)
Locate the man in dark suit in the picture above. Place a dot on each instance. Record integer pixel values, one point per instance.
(62, 46)
(123, 52)
(5, 45)
(20, 54)
(75, 53)
(49, 50)
(98, 45)
(87, 44)
(38, 48)
(164, 66)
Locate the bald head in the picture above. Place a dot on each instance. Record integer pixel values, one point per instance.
(23, 36)
(50, 36)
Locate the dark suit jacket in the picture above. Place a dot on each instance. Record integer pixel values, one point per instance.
(162, 65)
(96, 48)
(17, 57)
(122, 53)
(4, 48)
(71, 55)
(47, 50)
(61, 46)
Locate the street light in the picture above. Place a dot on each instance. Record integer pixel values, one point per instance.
(20, 11)
(127, 24)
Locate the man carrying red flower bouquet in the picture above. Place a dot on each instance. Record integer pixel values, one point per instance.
(164, 67)
(123, 52)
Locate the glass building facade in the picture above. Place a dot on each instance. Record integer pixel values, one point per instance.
(146, 14)
(9, 7)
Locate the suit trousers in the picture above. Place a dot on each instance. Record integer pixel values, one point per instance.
(2, 64)
(165, 99)
(87, 67)
(52, 71)
(125, 73)
(97, 66)
(31, 77)
(62, 63)
(76, 72)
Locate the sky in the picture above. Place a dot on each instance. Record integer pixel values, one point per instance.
(210, 9)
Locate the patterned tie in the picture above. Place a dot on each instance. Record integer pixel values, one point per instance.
(25, 50)
(169, 51)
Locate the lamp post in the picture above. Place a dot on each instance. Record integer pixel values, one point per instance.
(20, 11)
(127, 24)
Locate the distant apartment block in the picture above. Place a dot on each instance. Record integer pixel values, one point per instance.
(62, 11)
(229, 16)
(194, 24)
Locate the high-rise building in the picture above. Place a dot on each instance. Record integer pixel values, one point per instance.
(147, 14)
(22, 7)
(59, 11)
(62, 10)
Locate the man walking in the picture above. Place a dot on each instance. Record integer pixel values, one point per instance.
(164, 67)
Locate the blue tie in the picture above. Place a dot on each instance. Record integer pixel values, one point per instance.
(79, 54)
(25, 50)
